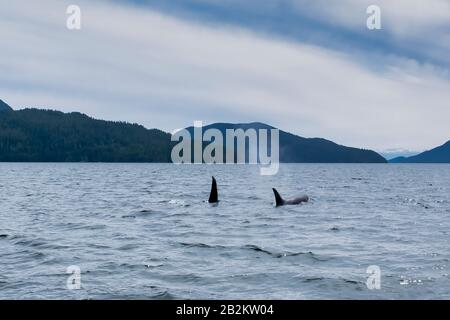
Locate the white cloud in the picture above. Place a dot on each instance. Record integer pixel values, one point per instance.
(142, 66)
(422, 27)
(403, 17)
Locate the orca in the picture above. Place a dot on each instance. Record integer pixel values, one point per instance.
(213, 196)
(279, 201)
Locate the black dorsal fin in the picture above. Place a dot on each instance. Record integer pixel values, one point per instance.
(213, 197)
(278, 199)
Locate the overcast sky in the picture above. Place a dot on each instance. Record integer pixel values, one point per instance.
(308, 67)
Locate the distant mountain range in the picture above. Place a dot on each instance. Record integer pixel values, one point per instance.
(4, 106)
(295, 149)
(35, 135)
(396, 153)
(32, 135)
(440, 154)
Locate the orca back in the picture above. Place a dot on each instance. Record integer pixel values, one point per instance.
(213, 197)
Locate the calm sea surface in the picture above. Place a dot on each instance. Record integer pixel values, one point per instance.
(144, 231)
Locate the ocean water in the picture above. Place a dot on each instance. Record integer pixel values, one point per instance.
(144, 231)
